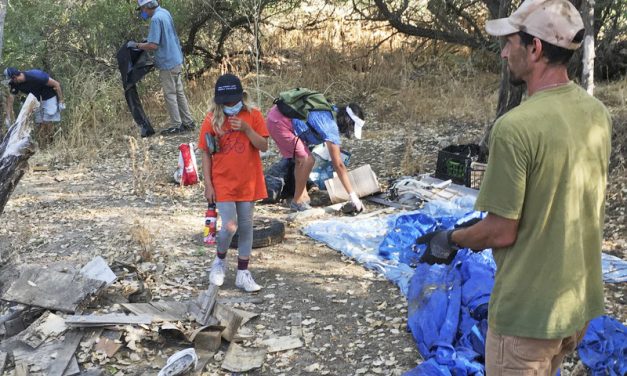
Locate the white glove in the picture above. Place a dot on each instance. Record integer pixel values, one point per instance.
(61, 106)
(7, 122)
(356, 201)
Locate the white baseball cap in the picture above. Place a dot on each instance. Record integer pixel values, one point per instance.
(141, 3)
(554, 21)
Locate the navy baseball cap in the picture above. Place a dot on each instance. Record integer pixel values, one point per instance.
(11, 72)
(228, 89)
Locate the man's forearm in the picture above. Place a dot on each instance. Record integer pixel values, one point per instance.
(491, 232)
(59, 93)
(146, 46)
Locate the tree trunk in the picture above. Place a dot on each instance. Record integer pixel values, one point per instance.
(587, 75)
(3, 14)
(15, 149)
(509, 95)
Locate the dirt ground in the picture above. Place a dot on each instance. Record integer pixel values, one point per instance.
(354, 320)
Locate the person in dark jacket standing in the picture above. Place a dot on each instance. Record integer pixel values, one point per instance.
(47, 91)
(164, 43)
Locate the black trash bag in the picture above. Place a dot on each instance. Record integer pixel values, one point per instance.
(280, 181)
(134, 64)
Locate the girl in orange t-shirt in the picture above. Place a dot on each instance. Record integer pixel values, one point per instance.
(231, 137)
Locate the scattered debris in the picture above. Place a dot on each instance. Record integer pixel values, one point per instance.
(99, 270)
(201, 308)
(296, 329)
(180, 363)
(228, 318)
(209, 340)
(109, 343)
(282, 343)
(241, 359)
(51, 358)
(47, 325)
(17, 319)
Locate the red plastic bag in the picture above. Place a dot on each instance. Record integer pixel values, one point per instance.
(187, 171)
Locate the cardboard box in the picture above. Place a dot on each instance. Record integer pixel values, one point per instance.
(363, 180)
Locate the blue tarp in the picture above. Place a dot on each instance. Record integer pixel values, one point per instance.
(447, 305)
(604, 347)
(614, 269)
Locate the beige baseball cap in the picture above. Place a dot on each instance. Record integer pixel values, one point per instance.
(553, 21)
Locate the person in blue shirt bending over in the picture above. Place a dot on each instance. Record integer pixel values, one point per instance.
(164, 43)
(45, 89)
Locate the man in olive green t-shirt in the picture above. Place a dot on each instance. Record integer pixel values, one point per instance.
(544, 191)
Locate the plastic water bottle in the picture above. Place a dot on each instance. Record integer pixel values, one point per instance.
(211, 220)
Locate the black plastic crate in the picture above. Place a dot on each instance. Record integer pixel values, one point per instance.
(454, 163)
(476, 174)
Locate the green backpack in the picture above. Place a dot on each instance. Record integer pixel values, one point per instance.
(297, 103)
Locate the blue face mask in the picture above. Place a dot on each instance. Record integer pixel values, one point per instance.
(233, 110)
(144, 15)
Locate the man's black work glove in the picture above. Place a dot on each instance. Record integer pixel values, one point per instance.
(440, 247)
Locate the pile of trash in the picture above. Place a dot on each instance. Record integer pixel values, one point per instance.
(56, 320)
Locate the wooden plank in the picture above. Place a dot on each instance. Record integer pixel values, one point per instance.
(240, 359)
(45, 288)
(282, 343)
(229, 319)
(21, 369)
(160, 311)
(42, 358)
(3, 361)
(201, 308)
(72, 368)
(107, 320)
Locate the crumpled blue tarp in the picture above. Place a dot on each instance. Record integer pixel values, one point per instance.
(448, 314)
(604, 347)
(447, 304)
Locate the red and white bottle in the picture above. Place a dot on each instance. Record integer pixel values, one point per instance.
(211, 221)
